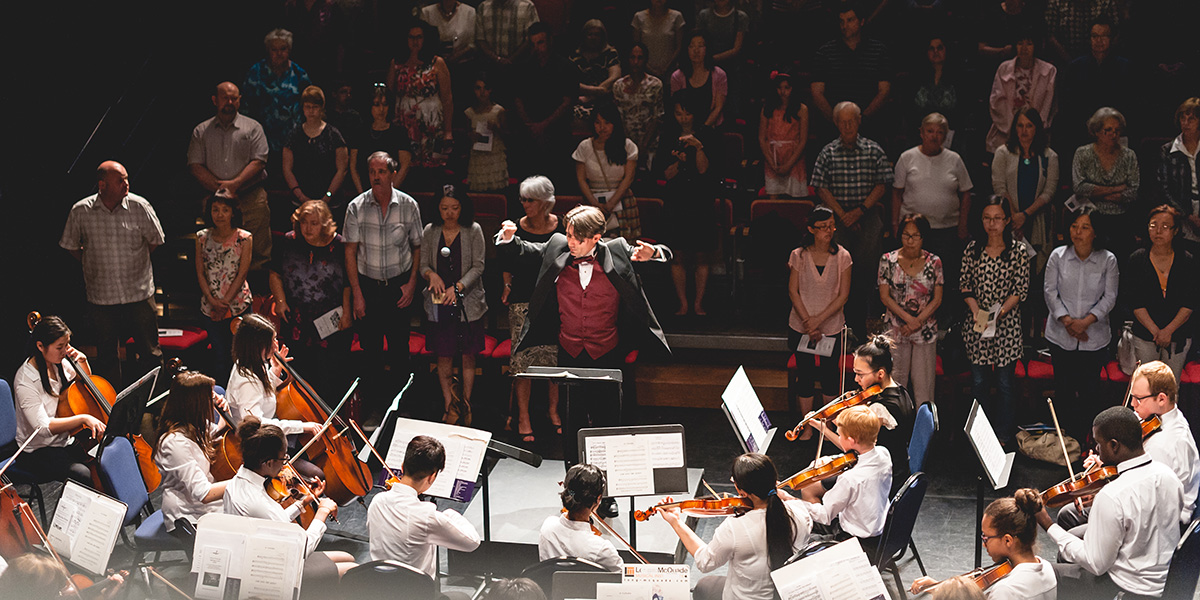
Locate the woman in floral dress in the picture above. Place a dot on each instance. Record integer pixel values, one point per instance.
(910, 288)
(222, 261)
(424, 105)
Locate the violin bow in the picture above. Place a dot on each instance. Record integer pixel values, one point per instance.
(1129, 390)
(1061, 442)
(328, 421)
(366, 440)
(623, 541)
(709, 488)
(149, 569)
(13, 459)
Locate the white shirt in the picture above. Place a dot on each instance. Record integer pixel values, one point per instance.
(860, 496)
(246, 496)
(1132, 529)
(563, 537)
(742, 543)
(35, 407)
(186, 479)
(1027, 581)
(1175, 447)
(246, 396)
(603, 176)
(404, 528)
(932, 185)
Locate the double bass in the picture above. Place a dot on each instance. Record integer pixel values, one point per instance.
(94, 395)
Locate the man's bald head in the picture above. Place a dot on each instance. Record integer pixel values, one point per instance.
(227, 99)
(112, 181)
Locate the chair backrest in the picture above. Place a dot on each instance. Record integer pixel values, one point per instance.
(121, 478)
(543, 572)
(1185, 566)
(794, 211)
(387, 579)
(922, 434)
(902, 517)
(564, 204)
(8, 415)
(810, 549)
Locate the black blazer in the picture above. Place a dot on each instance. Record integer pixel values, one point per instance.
(635, 320)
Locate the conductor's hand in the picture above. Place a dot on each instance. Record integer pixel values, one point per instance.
(644, 252)
(507, 230)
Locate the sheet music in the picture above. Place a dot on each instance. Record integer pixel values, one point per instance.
(630, 470)
(242, 557)
(842, 572)
(268, 571)
(987, 446)
(667, 450)
(465, 448)
(821, 347)
(624, 591)
(747, 412)
(85, 527)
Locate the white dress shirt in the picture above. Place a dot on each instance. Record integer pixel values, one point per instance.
(1077, 287)
(1175, 447)
(742, 543)
(860, 496)
(246, 496)
(246, 396)
(35, 407)
(1027, 581)
(563, 537)
(1132, 529)
(405, 529)
(186, 479)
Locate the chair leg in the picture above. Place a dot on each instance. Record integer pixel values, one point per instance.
(917, 555)
(895, 569)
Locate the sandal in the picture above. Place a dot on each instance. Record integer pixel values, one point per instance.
(527, 437)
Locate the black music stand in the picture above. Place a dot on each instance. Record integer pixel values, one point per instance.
(125, 417)
(497, 451)
(994, 465)
(570, 378)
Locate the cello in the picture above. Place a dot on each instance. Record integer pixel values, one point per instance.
(94, 395)
(227, 446)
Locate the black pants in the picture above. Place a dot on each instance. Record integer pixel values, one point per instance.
(1077, 389)
(384, 318)
(139, 319)
(590, 404)
(57, 463)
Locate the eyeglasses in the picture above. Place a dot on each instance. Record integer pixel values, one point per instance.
(1140, 399)
(910, 236)
(825, 227)
(858, 373)
(1111, 130)
(985, 537)
(995, 219)
(1154, 226)
(284, 458)
(529, 200)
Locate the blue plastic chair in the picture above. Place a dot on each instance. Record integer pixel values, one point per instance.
(922, 435)
(897, 530)
(1185, 566)
(8, 435)
(121, 478)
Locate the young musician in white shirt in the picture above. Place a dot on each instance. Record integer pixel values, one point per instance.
(405, 529)
(1134, 523)
(1154, 393)
(570, 533)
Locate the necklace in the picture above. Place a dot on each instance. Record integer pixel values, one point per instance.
(448, 15)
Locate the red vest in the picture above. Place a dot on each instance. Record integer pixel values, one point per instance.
(588, 317)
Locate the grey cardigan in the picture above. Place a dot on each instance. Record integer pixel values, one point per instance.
(472, 278)
(1004, 175)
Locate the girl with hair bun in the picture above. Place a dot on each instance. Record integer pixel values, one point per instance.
(1010, 530)
(570, 533)
(894, 405)
(738, 542)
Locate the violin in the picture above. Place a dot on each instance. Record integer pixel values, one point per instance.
(832, 409)
(984, 578)
(1084, 484)
(821, 472)
(289, 485)
(392, 478)
(1151, 426)
(94, 395)
(346, 477)
(713, 506)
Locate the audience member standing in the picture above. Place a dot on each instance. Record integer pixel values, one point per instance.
(782, 136)
(1177, 172)
(853, 68)
(1025, 172)
(639, 98)
(1106, 173)
(424, 102)
(1160, 287)
(698, 72)
(547, 85)
(487, 167)
(455, 22)
(599, 66)
(1023, 81)
(1069, 23)
(502, 30)
(383, 247)
(937, 87)
(316, 159)
(661, 30)
(605, 164)
(1098, 78)
(222, 262)
(690, 198)
(272, 88)
(379, 134)
(910, 287)
(851, 175)
(113, 233)
(229, 153)
(1080, 290)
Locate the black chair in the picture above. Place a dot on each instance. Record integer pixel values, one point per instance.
(809, 550)
(388, 579)
(543, 572)
(1185, 566)
(897, 530)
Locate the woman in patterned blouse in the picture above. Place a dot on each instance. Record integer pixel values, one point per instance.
(994, 282)
(910, 288)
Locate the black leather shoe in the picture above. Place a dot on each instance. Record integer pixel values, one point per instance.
(608, 508)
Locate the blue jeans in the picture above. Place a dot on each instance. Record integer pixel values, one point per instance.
(1000, 410)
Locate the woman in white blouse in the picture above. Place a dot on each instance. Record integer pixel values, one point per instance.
(753, 544)
(40, 382)
(604, 167)
(264, 454)
(1009, 532)
(185, 450)
(570, 533)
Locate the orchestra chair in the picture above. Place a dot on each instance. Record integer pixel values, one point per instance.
(8, 435)
(923, 429)
(1185, 565)
(810, 549)
(121, 479)
(897, 530)
(543, 572)
(388, 579)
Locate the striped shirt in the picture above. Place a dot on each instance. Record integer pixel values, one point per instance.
(851, 173)
(504, 24)
(852, 75)
(116, 248)
(385, 243)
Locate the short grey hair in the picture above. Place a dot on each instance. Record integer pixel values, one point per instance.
(1102, 114)
(847, 105)
(937, 118)
(391, 163)
(278, 35)
(538, 187)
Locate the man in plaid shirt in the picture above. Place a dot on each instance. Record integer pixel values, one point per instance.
(501, 28)
(852, 174)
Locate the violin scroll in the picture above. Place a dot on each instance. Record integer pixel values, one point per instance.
(832, 409)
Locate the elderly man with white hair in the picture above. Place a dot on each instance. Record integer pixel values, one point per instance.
(272, 89)
(851, 175)
(538, 225)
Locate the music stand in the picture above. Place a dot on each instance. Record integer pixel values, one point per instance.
(570, 378)
(994, 463)
(497, 451)
(125, 416)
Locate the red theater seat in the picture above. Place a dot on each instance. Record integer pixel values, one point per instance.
(179, 343)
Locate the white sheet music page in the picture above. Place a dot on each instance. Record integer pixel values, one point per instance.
(838, 573)
(747, 411)
(85, 527)
(465, 448)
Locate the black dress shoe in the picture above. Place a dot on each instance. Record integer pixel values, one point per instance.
(608, 508)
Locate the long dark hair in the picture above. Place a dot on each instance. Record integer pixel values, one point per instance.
(755, 474)
(772, 101)
(1038, 146)
(981, 237)
(614, 148)
(260, 442)
(685, 63)
(807, 238)
(189, 410)
(466, 213)
(254, 338)
(48, 330)
(428, 48)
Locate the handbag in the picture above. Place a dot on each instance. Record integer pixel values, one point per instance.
(1126, 357)
(628, 221)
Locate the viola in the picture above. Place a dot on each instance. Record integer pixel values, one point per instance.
(821, 472)
(832, 409)
(984, 578)
(1151, 426)
(1084, 484)
(718, 506)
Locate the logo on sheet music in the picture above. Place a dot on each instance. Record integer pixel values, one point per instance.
(463, 490)
(766, 422)
(751, 444)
